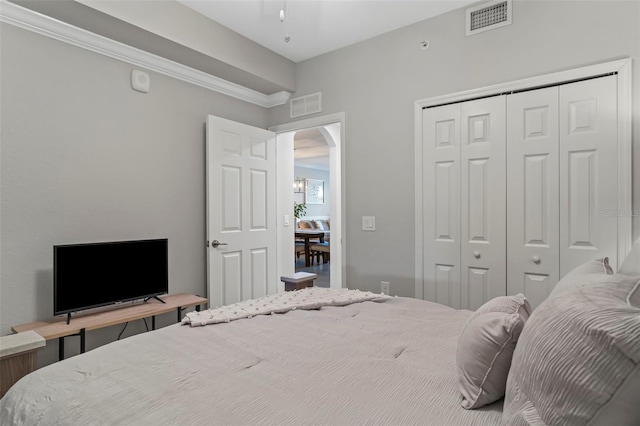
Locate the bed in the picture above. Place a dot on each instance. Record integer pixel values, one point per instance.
(324, 366)
(384, 361)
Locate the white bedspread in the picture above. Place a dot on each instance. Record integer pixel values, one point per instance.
(280, 303)
(389, 362)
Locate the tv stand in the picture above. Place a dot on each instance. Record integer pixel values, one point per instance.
(61, 328)
(155, 297)
(146, 299)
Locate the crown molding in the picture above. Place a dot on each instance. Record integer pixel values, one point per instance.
(38, 23)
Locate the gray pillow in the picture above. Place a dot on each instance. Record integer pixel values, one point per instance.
(634, 296)
(582, 276)
(578, 359)
(631, 264)
(485, 349)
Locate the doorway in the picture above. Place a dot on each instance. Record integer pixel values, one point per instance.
(329, 130)
(312, 202)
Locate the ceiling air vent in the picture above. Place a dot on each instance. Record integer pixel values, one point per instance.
(305, 105)
(488, 16)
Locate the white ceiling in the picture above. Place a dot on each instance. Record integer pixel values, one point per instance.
(318, 26)
(310, 149)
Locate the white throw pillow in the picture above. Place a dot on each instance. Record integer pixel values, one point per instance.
(485, 349)
(578, 359)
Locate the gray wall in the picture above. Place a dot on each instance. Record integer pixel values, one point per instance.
(376, 83)
(323, 175)
(85, 158)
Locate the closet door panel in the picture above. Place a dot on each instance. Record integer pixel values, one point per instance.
(441, 198)
(483, 200)
(533, 259)
(588, 172)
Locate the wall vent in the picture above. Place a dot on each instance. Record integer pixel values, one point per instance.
(305, 105)
(488, 16)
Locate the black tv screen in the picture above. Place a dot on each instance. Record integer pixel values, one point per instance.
(98, 274)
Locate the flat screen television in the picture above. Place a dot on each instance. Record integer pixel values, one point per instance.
(98, 274)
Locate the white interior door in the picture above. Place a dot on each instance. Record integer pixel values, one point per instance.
(588, 172)
(241, 212)
(533, 257)
(483, 200)
(441, 204)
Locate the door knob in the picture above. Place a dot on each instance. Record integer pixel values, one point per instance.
(216, 243)
(476, 254)
(536, 260)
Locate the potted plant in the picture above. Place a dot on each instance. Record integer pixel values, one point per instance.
(299, 210)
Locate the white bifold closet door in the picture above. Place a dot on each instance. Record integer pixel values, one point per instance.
(483, 205)
(464, 202)
(518, 190)
(588, 172)
(561, 182)
(441, 204)
(533, 239)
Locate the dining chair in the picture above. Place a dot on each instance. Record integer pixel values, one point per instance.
(321, 249)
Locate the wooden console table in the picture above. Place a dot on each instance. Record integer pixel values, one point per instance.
(81, 323)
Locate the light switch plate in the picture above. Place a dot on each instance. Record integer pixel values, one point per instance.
(368, 223)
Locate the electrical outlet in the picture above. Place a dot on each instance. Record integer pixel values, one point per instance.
(384, 287)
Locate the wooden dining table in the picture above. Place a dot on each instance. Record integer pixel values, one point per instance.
(307, 235)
